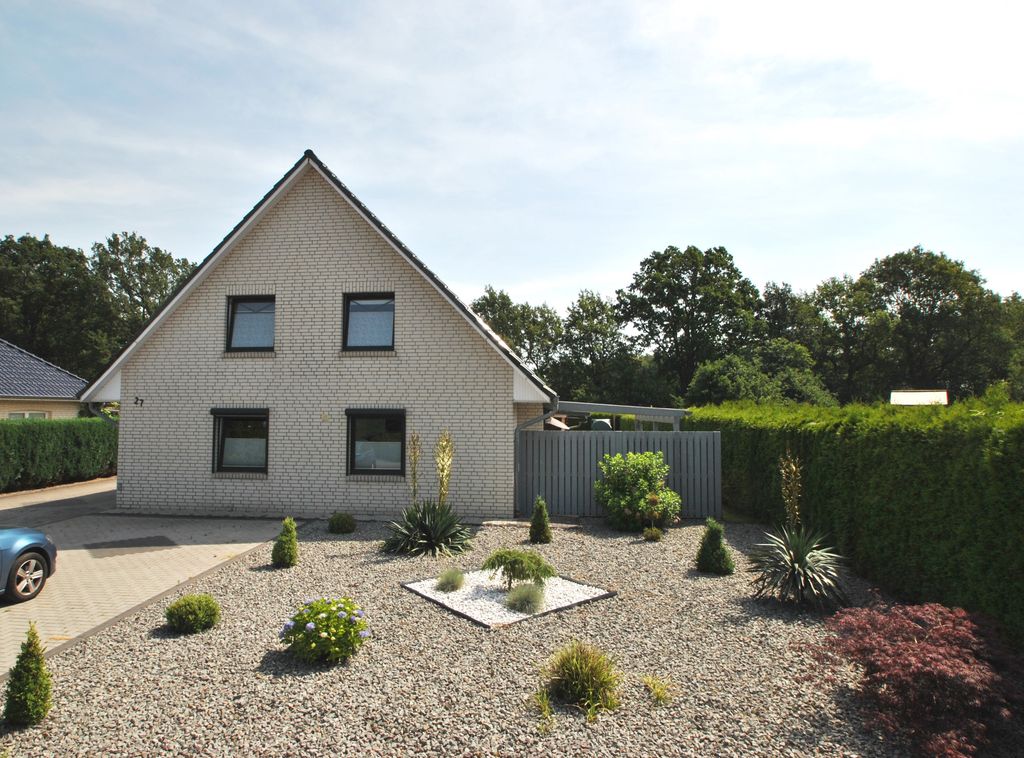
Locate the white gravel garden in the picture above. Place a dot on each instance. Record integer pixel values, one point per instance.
(426, 681)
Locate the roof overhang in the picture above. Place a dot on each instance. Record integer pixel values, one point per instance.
(527, 386)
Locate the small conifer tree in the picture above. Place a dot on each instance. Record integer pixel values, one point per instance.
(28, 688)
(540, 526)
(286, 546)
(713, 556)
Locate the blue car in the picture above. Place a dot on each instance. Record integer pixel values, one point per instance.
(27, 558)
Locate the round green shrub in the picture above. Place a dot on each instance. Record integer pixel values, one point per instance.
(653, 534)
(193, 613)
(325, 630)
(526, 598)
(450, 580)
(713, 556)
(286, 547)
(540, 525)
(519, 566)
(633, 492)
(583, 675)
(341, 523)
(28, 687)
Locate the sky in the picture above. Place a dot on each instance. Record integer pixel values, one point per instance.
(542, 147)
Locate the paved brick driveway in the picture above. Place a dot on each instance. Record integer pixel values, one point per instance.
(109, 563)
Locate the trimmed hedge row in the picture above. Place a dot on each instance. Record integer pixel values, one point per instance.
(928, 502)
(41, 453)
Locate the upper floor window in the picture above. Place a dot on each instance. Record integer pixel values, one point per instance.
(251, 323)
(369, 321)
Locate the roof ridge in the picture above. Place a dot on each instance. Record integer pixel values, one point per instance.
(43, 360)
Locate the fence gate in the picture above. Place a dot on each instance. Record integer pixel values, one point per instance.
(562, 467)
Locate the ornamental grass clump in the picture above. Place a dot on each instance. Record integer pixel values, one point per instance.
(286, 547)
(713, 556)
(193, 613)
(326, 630)
(584, 676)
(518, 566)
(28, 687)
(341, 523)
(526, 598)
(428, 527)
(540, 525)
(450, 580)
(930, 673)
(653, 534)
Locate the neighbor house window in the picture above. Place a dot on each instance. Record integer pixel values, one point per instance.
(240, 439)
(369, 321)
(251, 323)
(376, 441)
(28, 414)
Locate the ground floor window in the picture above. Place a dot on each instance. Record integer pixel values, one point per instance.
(376, 441)
(28, 414)
(240, 439)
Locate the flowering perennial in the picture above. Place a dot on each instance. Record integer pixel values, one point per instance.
(325, 630)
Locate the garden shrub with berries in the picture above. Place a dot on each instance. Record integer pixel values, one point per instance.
(326, 630)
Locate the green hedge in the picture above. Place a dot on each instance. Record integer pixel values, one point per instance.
(927, 502)
(41, 453)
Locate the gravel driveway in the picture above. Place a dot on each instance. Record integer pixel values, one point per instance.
(428, 682)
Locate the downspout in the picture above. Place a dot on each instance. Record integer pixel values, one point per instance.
(98, 412)
(517, 483)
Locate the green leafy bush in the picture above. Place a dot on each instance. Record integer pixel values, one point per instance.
(193, 613)
(427, 527)
(795, 566)
(653, 534)
(42, 453)
(286, 547)
(633, 491)
(518, 566)
(325, 630)
(540, 525)
(341, 523)
(526, 598)
(28, 687)
(451, 580)
(924, 502)
(713, 556)
(582, 675)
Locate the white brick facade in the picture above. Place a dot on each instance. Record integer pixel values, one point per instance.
(308, 250)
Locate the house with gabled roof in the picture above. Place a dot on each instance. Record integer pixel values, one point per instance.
(286, 375)
(34, 388)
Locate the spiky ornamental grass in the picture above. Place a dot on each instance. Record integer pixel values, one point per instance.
(518, 566)
(795, 566)
(450, 580)
(286, 547)
(540, 525)
(428, 527)
(526, 598)
(583, 675)
(28, 688)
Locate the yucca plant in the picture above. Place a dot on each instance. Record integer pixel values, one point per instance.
(428, 527)
(795, 565)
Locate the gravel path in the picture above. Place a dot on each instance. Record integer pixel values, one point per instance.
(428, 682)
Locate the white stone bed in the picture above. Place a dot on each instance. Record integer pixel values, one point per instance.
(482, 599)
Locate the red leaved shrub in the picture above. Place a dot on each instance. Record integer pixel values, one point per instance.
(930, 672)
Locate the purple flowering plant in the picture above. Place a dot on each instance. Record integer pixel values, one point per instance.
(325, 630)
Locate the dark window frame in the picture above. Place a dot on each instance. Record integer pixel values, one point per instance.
(349, 297)
(219, 414)
(350, 443)
(232, 301)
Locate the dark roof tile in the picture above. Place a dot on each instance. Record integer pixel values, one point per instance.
(23, 374)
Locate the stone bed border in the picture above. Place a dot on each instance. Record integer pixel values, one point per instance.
(491, 627)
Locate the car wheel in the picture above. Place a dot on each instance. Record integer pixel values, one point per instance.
(28, 575)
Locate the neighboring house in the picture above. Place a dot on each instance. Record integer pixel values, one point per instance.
(287, 374)
(33, 388)
(919, 397)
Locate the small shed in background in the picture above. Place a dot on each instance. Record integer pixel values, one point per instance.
(919, 397)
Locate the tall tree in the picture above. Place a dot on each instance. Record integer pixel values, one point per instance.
(139, 276)
(689, 306)
(52, 305)
(534, 332)
(948, 329)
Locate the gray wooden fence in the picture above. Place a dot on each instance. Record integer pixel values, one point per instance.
(562, 467)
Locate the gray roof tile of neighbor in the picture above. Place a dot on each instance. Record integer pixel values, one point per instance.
(23, 374)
